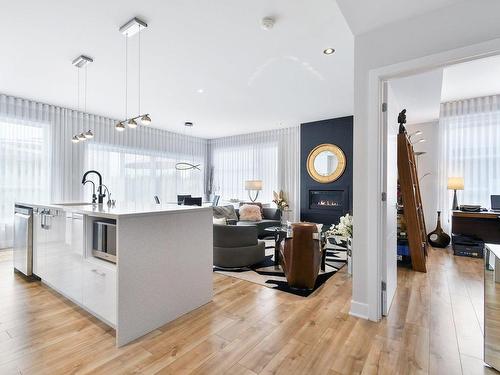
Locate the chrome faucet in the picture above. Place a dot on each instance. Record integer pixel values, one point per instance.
(94, 197)
(100, 195)
(109, 202)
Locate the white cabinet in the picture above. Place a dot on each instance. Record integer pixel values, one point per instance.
(70, 281)
(37, 245)
(99, 289)
(54, 230)
(59, 251)
(62, 261)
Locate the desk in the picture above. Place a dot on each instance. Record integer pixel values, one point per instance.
(483, 225)
(492, 306)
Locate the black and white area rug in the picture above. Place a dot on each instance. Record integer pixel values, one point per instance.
(265, 274)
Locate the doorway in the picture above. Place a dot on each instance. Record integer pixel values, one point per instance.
(422, 93)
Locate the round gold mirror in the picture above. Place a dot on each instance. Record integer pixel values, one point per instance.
(326, 163)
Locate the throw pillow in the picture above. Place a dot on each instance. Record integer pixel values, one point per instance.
(250, 212)
(226, 212)
(221, 221)
(258, 204)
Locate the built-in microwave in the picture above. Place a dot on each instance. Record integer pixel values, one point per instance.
(104, 241)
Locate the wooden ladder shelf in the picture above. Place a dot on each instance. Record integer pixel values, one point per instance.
(412, 202)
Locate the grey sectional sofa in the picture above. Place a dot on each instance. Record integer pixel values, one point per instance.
(271, 217)
(237, 246)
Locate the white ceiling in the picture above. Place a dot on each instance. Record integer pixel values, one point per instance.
(423, 93)
(366, 15)
(471, 79)
(420, 94)
(252, 79)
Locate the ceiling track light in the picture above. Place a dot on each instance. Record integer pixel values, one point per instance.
(132, 27)
(120, 127)
(81, 62)
(132, 123)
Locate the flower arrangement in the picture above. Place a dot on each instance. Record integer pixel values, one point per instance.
(343, 228)
(280, 200)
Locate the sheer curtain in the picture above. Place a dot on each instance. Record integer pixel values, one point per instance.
(24, 167)
(271, 156)
(138, 166)
(38, 161)
(469, 138)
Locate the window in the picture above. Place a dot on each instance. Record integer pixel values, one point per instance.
(136, 175)
(24, 170)
(235, 164)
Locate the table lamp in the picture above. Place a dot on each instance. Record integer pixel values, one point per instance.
(253, 186)
(455, 183)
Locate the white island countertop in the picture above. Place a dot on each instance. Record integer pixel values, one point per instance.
(117, 211)
(163, 269)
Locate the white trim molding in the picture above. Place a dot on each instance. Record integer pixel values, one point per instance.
(359, 310)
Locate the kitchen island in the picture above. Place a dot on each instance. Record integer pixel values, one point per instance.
(162, 269)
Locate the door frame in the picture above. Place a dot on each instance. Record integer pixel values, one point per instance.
(376, 80)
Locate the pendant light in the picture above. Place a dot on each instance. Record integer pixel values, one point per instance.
(184, 165)
(81, 62)
(132, 27)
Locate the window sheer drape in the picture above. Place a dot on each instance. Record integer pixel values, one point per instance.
(469, 139)
(24, 166)
(271, 156)
(38, 161)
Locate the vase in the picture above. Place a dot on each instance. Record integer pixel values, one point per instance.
(438, 238)
(349, 255)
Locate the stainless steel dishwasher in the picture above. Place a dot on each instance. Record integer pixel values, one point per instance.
(23, 239)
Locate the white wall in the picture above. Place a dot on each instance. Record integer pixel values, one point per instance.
(428, 163)
(461, 25)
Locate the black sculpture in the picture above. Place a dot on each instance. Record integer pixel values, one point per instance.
(402, 121)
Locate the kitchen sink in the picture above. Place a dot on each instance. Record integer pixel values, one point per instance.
(74, 204)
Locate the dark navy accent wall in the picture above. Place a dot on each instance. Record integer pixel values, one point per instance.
(338, 131)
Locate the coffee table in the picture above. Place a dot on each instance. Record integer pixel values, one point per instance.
(279, 233)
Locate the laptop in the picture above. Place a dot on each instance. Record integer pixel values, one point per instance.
(495, 203)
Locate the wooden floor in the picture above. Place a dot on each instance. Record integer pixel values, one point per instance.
(434, 326)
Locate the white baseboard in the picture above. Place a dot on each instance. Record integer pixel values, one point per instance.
(359, 310)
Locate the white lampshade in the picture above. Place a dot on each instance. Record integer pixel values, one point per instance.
(253, 185)
(455, 183)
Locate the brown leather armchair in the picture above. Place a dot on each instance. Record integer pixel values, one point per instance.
(301, 256)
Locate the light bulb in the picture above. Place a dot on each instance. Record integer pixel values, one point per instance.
(132, 123)
(88, 134)
(145, 120)
(81, 137)
(75, 139)
(120, 127)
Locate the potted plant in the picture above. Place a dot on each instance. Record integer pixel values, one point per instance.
(344, 229)
(281, 202)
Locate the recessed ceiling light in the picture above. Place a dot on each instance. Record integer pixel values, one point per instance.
(188, 124)
(328, 51)
(200, 91)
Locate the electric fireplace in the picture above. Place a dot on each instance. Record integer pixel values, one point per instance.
(326, 199)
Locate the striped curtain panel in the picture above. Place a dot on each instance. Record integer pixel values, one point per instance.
(270, 156)
(38, 161)
(469, 139)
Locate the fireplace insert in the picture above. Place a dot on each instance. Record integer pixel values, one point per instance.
(327, 199)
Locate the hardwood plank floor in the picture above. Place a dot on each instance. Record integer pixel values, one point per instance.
(434, 327)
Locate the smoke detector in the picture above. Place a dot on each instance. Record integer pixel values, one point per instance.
(267, 23)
